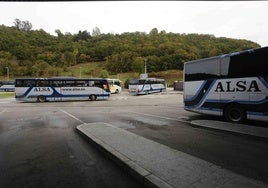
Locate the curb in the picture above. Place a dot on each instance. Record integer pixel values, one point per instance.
(138, 172)
(258, 133)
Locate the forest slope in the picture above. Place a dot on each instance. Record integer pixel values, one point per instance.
(36, 53)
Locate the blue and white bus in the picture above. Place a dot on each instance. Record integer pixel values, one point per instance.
(7, 86)
(60, 89)
(146, 86)
(232, 85)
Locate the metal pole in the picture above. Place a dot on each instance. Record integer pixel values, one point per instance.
(145, 66)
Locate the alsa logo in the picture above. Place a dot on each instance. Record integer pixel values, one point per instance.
(239, 86)
(41, 89)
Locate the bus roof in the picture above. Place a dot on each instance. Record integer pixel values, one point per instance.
(247, 63)
(159, 79)
(61, 78)
(262, 53)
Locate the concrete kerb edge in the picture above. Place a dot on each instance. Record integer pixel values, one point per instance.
(195, 124)
(139, 173)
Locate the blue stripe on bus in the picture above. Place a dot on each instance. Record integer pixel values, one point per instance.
(254, 106)
(201, 95)
(265, 83)
(210, 103)
(25, 94)
(257, 113)
(56, 94)
(151, 89)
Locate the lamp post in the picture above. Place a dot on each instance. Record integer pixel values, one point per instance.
(145, 66)
(7, 73)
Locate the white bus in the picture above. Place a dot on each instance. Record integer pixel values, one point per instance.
(233, 85)
(146, 86)
(60, 89)
(115, 85)
(7, 86)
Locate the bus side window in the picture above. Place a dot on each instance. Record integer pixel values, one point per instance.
(41, 83)
(19, 83)
(30, 83)
(97, 84)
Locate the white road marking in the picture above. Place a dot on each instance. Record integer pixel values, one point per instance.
(4, 110)
(72, 116)
(163, 117)
(143, 114)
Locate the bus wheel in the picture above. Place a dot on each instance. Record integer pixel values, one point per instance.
(41, 98)
(92, 97)
(234, 113)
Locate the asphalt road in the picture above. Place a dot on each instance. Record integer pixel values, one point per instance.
(40, 147)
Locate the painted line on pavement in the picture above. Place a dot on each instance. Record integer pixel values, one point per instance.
(72, 116)
(150, 115)
(163, 117)
(4, 110)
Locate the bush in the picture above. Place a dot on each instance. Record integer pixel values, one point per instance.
(104, 74)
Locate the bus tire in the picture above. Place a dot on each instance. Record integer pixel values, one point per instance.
(235, 113)
(93, 97)
(41, 98)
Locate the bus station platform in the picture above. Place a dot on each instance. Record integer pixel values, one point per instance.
(234, 128)
(156, 165)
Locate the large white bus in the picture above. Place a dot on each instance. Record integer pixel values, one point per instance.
(7, 86)
(115, 85)
(146, 86)
(232, 85)
(60, 89)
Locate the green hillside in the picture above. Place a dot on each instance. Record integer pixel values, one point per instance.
(36, 53)
(95, 69)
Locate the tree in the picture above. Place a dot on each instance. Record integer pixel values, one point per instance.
(84, 35)
(96, 31)
(104, 74)
(154, 31)
(22, 25)
(59, 33)
(138, 65)
(17, 24)
(27, 26)
(69, 58)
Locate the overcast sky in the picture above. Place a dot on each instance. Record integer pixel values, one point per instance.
(232, 19)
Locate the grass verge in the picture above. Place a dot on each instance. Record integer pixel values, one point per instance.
(6, 94)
